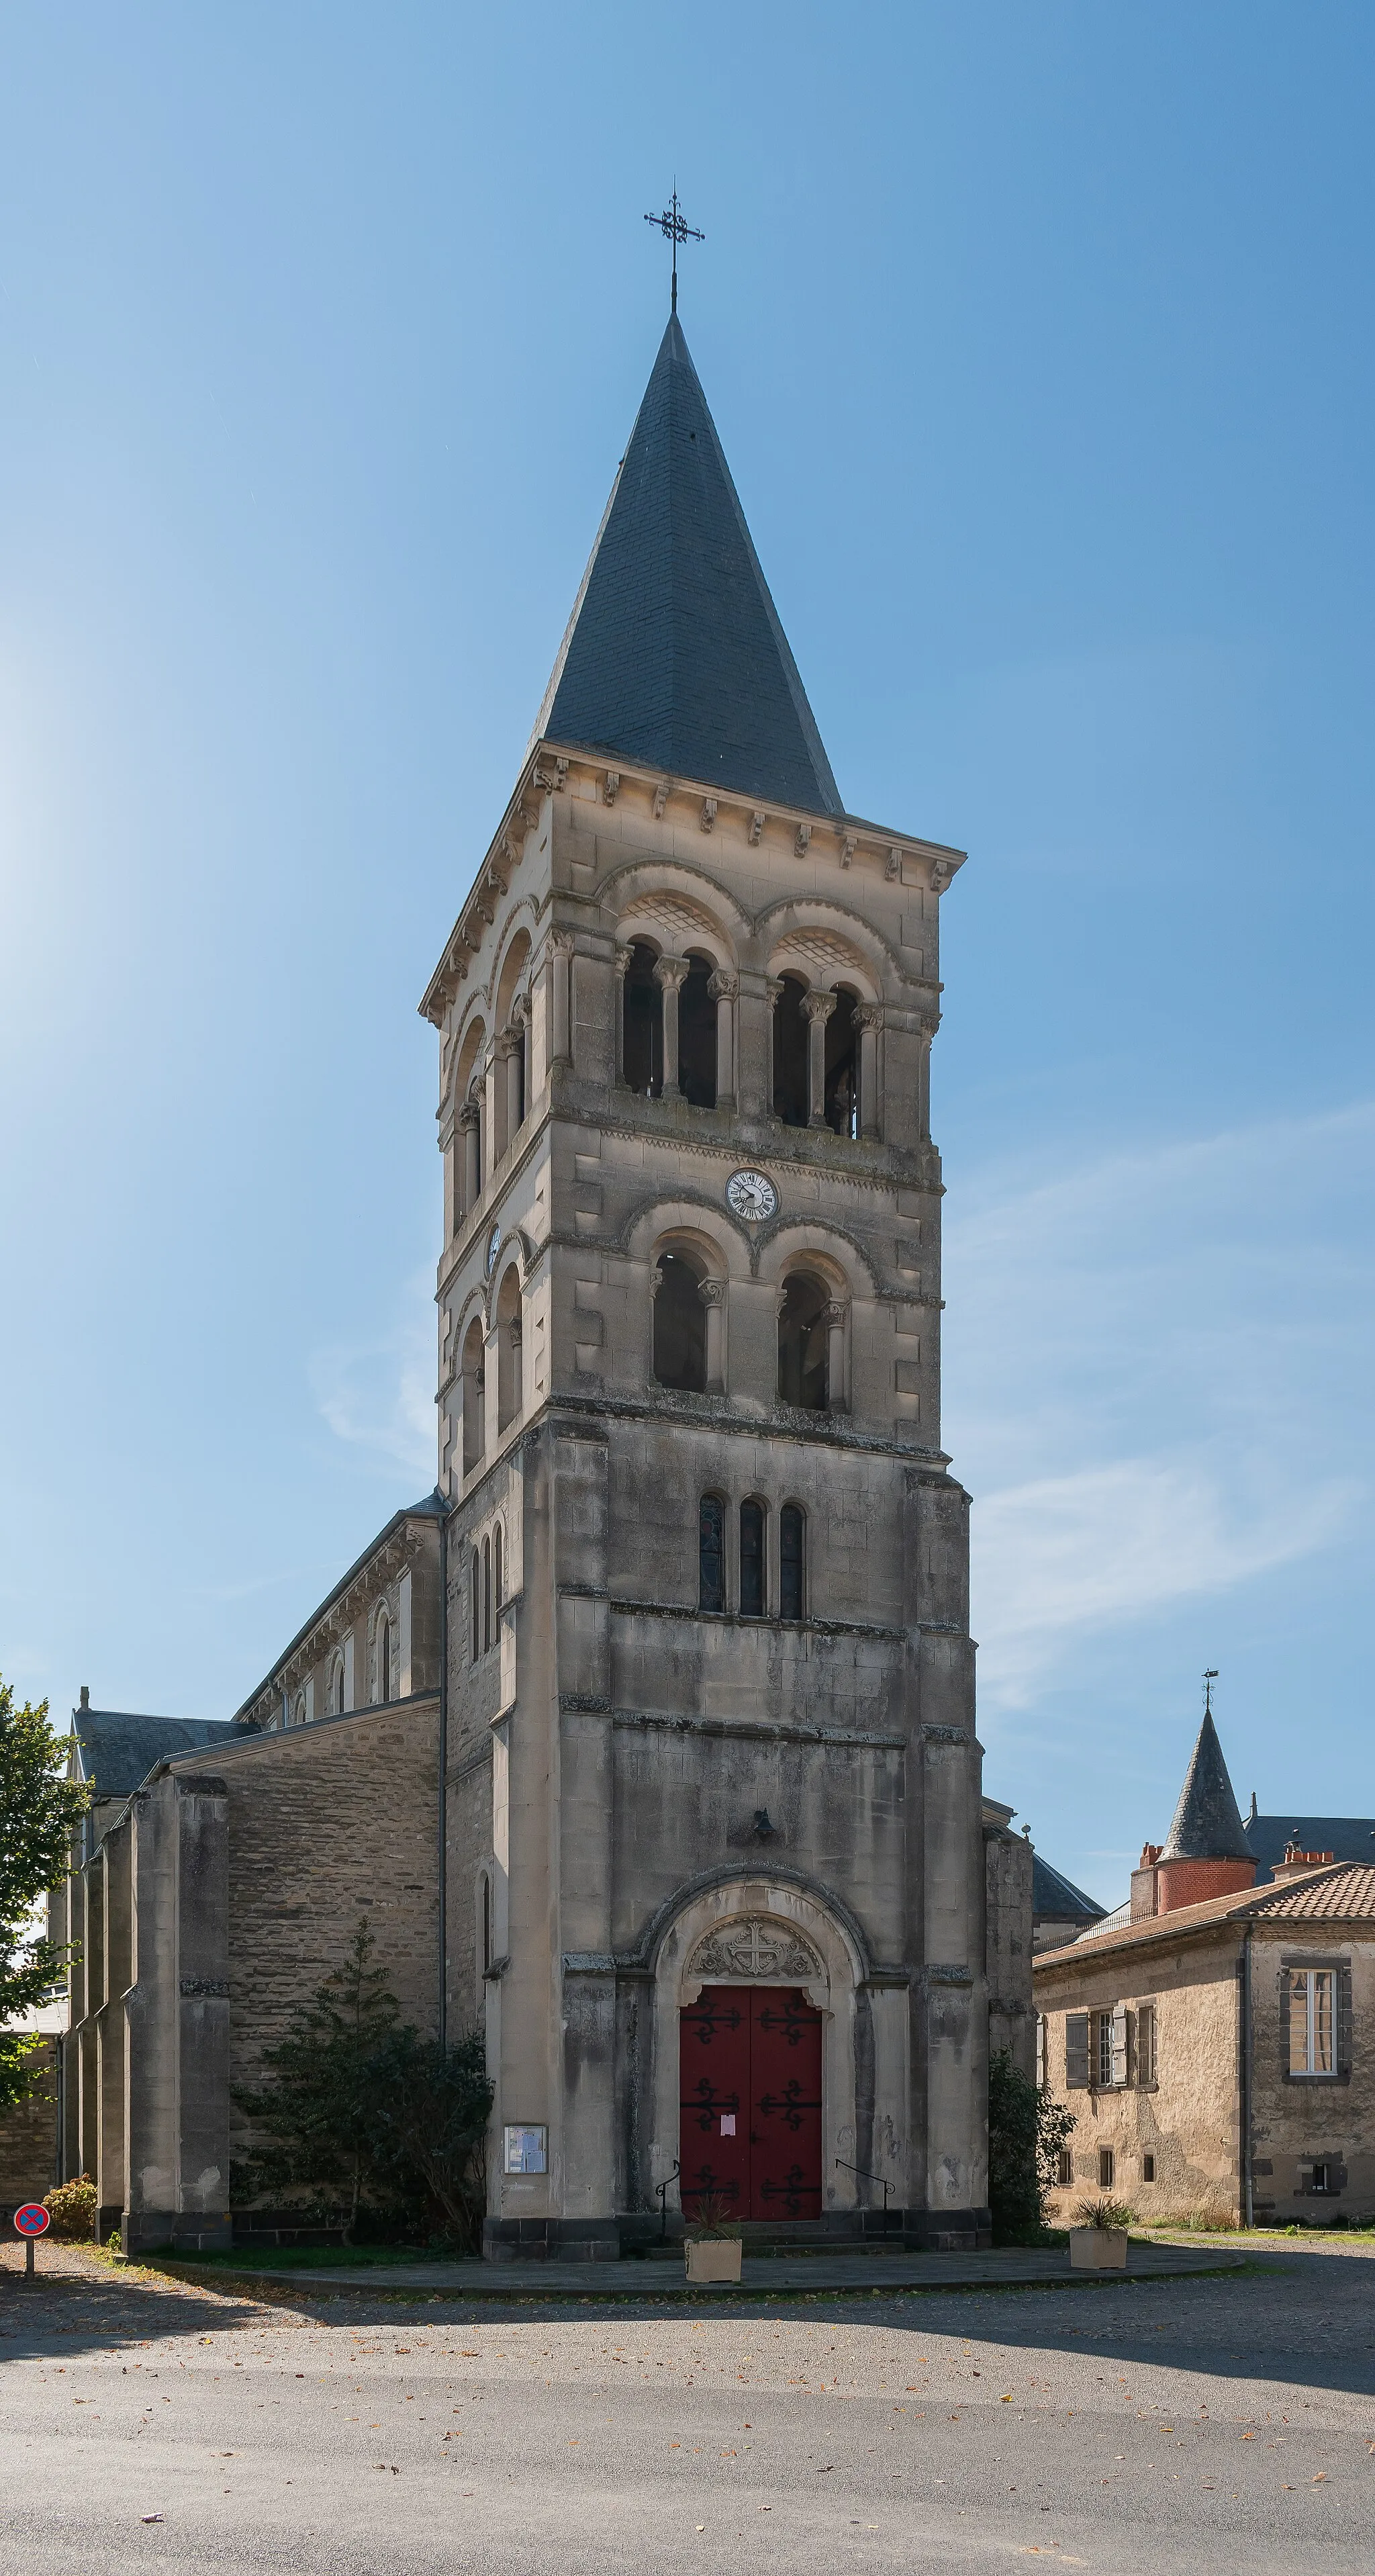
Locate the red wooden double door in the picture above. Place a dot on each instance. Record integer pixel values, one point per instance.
(749, 2124)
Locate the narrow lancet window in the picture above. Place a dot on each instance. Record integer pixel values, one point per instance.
(751, 1560)
(711, 1555)
(792, 1529)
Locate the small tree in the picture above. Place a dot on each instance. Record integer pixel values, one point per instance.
(39, 1812)
(1026, 2130)
(430, 2108)
(319, 2109)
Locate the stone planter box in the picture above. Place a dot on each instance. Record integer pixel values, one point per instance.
(713, 2258)
(1098, 2249)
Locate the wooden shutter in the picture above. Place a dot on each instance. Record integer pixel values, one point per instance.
(1076, 2052)
(1286, 2054)
(1119, 2046)
(1343, 2003)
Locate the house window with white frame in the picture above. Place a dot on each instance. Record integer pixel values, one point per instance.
(1312, 2021)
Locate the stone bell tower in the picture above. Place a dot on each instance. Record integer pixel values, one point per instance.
(713, 1857)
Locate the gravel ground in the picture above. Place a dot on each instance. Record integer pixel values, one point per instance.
(1153, 2427)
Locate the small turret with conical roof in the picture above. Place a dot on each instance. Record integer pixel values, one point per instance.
(1205, 1852)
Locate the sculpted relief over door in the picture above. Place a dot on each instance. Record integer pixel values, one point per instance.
(759, 1948)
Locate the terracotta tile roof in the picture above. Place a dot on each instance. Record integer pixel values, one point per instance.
(1341, 1893)
(1344, 1894)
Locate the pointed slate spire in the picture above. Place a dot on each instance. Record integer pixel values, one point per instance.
(674, 656)
(1207, 1824)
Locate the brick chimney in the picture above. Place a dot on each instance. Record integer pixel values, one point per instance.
(1295, 1862)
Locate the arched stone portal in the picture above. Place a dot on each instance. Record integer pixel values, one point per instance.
(787, 1966)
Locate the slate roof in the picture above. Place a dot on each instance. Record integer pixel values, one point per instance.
(1056, 1896)
(674, 655)
(117, 1749)
(1344, 1892)
(1346, 1837)
(1207, 1821)
(431, 1507)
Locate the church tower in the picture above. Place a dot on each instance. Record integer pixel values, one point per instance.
(714, 1871)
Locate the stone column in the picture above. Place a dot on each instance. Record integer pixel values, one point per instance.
(724, 990)
(558, 991)
(773, 987)
(509, 1050)
(713, 1295)
(817, 1008)
(492, 1093)
(837, 1393)
(670, 974)
(622, 962)
(868, 1021)
(470, 1133)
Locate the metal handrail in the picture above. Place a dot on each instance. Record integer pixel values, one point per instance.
(663, 2189)
(884, 2185)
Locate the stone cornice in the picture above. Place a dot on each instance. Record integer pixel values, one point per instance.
(548, 771)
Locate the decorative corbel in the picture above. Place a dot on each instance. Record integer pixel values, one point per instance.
(757, 822)
(560, 775)
(941, 874)
(802, 839)
(893, 867)
(660, 800)
(847, 848)
(610, 784)
(707, 817)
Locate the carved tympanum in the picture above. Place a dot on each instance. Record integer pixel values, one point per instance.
(757, 1947)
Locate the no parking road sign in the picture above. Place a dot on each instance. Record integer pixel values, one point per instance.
(30, 2221)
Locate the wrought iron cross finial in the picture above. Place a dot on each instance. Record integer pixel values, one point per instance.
(1208, 1680)
(674, 230)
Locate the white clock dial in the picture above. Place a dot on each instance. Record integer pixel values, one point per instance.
(753, 1196)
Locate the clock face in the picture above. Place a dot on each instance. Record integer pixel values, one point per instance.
(753, 1196)
(493, 1248)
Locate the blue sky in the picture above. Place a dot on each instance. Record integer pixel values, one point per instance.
(1039, 343)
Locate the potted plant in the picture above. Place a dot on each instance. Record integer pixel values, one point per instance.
(1098, 2240)
(713, 2244)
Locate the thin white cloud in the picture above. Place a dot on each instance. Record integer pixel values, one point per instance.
(1158, 1379)
(379, 1395)
(1110, 1544)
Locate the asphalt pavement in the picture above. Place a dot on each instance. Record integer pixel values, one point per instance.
(1153, 2426)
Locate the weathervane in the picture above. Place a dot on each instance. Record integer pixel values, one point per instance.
(674, 230)
(1208, 1680)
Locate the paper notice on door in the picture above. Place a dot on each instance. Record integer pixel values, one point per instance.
(728, 2124)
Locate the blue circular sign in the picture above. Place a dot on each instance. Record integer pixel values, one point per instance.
(32, 2219)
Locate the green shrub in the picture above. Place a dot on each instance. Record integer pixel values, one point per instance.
(72, 2209)
(1026, 2131)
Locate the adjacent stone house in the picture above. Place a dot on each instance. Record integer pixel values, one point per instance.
(1215, 2039)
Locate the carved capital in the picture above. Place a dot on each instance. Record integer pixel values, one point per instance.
(670, 973)
(623, 957)
(834, 1314)
(773, 986)
(470, 1114)
(817, 1005)
(868, 1015)
(561, 943)
(723, 986)
(712, 1291)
